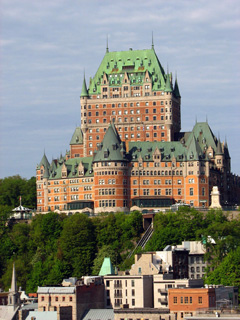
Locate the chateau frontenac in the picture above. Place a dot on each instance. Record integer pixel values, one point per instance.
(130, 152)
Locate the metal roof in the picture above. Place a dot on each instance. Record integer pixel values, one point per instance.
(56, 290)
(99, 314)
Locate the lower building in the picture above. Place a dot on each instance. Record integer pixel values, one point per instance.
(71, 302)
(126, 175)
(128, 291)
(186, 301)
(143, 314)
(162, 283)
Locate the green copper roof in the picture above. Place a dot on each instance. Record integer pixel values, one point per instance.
(203, 135)
(84, 92)
(107, 268)
(72, 166)
(77, 137)
(194, 150)
(133, 62)
(168, 150)
(111, 148)
(168, 86)
(44, 162)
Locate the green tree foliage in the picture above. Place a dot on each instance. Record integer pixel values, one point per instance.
(11, 188)
(53, 247)
(78, 244)
(228, 271)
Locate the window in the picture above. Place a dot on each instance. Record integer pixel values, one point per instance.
(56, 298)
(175, 300)
(200, 300)
(181, 300)
(185, 299)
(133, 292)
(133, 283)
(190, 299)
(133, 302)
(191, 191)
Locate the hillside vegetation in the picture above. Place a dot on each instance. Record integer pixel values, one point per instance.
(55, 246)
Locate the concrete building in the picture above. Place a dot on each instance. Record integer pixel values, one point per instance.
(196, 263)
(141, 159)
(128, 291)
(183, 261)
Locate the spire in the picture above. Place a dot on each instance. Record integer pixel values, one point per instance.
(152, 42)
(168, 86)
(107, 49)
(84, 92)
(226, 152)
(219, 147)
(14, 281)
(44, 162)
(176, 89)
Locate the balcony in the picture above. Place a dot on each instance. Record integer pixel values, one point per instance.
(118, 295)
(117, 285)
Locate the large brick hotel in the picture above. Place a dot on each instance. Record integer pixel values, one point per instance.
(129, 151)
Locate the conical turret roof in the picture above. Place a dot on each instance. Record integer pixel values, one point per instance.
(168, 87)
(44, 162)
(84, 92)
(176, 90)
(219, 148)
(111, 148)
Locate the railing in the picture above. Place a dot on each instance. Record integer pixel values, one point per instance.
(143, 241)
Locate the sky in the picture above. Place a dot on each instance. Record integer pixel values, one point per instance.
(45, 47)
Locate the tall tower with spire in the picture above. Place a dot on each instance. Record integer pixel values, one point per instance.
(13, 296)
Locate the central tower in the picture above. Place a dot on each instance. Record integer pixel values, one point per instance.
(131, 89)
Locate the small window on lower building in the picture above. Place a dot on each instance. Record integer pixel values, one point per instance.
(133, 302)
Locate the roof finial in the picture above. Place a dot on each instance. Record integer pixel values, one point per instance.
(196, 120)
(107, 49)
(152, 41)
(206, 118)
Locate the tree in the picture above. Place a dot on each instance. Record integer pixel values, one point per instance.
(78, 244)
(228, 272)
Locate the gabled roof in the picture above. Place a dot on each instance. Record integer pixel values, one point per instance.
(72, 166)
(107, 267)
(77, 137)
(111, 148)
(135, 63)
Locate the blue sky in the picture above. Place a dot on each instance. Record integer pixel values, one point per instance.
(46, 45)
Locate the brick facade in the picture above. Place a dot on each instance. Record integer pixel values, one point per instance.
(161, 165)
